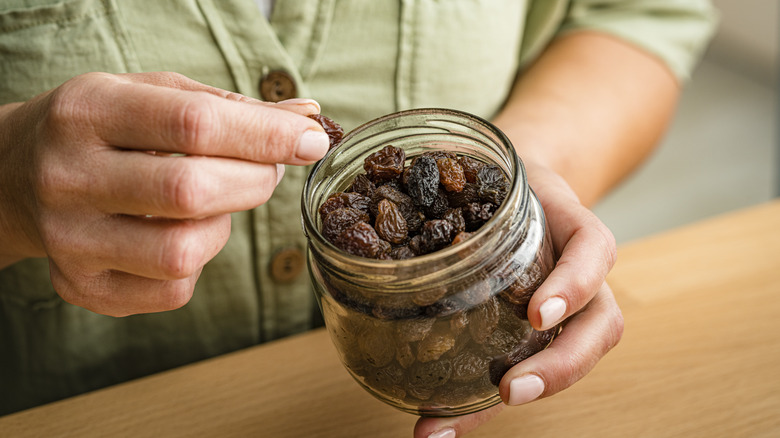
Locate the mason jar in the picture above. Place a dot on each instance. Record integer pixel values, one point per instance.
(434, 334)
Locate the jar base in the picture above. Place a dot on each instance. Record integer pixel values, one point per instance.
(435, 410)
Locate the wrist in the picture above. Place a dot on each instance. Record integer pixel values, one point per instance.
(15, 219)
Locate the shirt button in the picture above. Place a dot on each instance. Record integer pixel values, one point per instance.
(287, 264)
(277, 86)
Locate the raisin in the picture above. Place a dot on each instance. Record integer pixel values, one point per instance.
(434, 345)
(344, 200)
(404, 354)
(470, 167)
(429, 375)
(390, 223)
(484, 320)
(477, 214)
(361, 184)
(361, 240)
(334, 130)
(388, 380)
(413, 330)
(423, 181)
(451, 174)
(438, 207)
(414, 221)
(436, 234)
(438, 154)
(430, 296)
(455, 217)
(385, 164)
(416, 245)
(339, 220)
(469, 367)
(375, 348)
(399, 198)
(401, 253)
(469, 194)
(493, 185)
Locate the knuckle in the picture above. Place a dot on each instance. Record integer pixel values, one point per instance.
(183, 190)
(196, 126)
(177, 294)
(181, 256)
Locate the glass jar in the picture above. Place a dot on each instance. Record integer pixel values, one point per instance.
(434, 334)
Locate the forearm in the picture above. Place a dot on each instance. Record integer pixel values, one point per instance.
(591, 108)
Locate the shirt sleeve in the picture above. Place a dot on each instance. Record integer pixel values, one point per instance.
(675, 31)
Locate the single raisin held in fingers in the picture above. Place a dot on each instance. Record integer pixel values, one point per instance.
(334, 130)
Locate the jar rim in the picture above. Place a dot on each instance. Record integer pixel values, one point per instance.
(518, 183)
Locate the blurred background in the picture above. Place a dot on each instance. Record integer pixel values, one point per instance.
(721, 152)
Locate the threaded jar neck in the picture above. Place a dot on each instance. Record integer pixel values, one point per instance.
(418, 131)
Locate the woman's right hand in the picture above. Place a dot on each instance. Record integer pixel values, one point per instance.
(126, 182)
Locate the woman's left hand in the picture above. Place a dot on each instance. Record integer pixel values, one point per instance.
(575, 291)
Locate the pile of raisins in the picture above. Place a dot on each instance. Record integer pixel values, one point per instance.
(396, 211)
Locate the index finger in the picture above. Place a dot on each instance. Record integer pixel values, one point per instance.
(149, 117)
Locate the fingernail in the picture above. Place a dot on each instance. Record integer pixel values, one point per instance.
(302, 101)
(447, 432)
(313, 145)
(552, 310)
(279, 173)
(524, 389)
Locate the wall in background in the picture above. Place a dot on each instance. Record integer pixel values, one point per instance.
(721, 152)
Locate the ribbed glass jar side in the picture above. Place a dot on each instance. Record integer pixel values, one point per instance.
(432, 335)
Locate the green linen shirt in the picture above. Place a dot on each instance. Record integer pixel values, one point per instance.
(359, 59)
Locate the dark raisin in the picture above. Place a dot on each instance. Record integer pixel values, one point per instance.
(451, 174)
(416, 245)
(394, 183)
(455, 217)
(385, 164)
(493, 185)
(401, 253)
(477, 214)
(361, 184)
(469, 194)
(437, 234)
(361, 240)
(438, 207)
(339, 220)
(390, 223)
(344, 200)
(334, 130)
(423, 181)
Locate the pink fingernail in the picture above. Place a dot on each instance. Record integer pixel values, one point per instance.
(313, 145)
(552, 310)
(302, 101)
(524, 389)
(447, 432)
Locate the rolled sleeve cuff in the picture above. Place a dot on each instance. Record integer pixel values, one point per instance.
(675, 31)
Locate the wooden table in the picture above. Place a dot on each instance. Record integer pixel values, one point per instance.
(700, 357)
